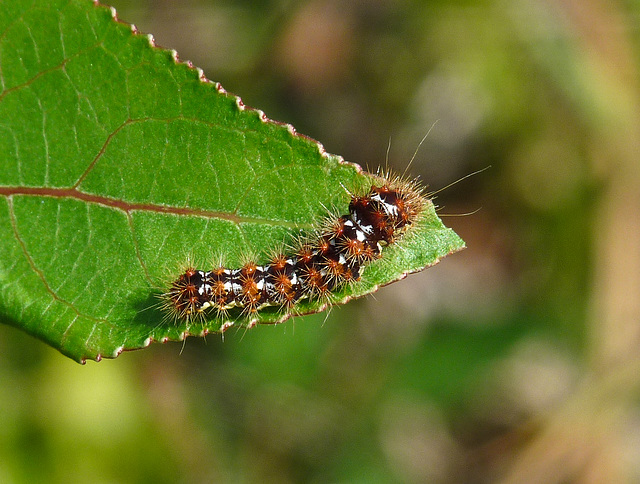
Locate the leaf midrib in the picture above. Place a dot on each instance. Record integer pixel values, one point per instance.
(128, 207)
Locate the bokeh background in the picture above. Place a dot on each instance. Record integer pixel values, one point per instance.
(516, 360)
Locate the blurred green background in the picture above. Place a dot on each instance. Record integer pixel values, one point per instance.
(517, 360)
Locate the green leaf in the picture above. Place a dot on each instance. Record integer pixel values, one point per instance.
(117, 163)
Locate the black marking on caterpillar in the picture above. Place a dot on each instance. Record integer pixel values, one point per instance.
(314, 267)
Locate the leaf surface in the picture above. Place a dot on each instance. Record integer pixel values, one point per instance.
(118, 164)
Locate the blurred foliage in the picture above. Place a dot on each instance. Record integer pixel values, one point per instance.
(514, 361)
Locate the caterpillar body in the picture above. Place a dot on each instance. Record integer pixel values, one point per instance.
(332, 257)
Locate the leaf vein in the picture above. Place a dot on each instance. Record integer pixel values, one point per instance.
(35, 268)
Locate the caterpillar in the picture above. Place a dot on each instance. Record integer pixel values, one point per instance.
(332, 257)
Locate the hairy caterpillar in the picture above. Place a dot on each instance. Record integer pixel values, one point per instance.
(332, 257)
